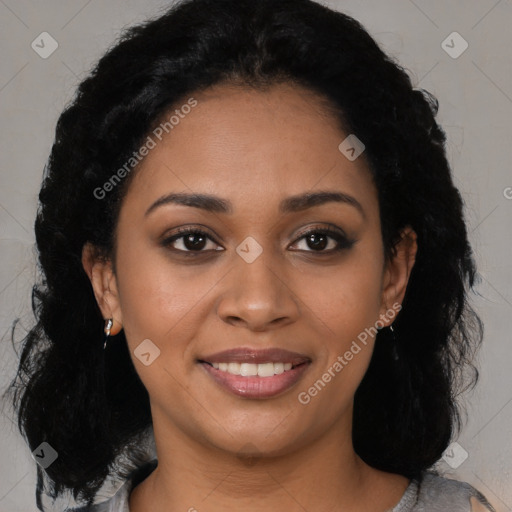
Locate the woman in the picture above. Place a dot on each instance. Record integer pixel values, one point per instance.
(255, 205)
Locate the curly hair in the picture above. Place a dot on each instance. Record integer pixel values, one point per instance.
(90, 404)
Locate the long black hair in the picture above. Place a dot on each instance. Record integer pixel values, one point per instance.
(90, 405)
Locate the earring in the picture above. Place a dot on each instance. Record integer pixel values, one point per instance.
(108, 326)
(393, 344)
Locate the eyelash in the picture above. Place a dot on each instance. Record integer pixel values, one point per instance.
(342, 241)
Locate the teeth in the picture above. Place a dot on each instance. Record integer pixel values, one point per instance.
(249, 369)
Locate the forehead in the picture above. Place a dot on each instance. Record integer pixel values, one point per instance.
(250, 145)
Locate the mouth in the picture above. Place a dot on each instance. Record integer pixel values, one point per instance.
(254, 374)
(268, 369)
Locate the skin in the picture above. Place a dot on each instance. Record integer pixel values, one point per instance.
(477, 506)
(253, 148)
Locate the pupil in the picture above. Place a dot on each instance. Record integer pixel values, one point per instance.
(322, 244)
(192, 245)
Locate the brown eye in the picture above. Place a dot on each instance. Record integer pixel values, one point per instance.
(319, 239)
(190, 239)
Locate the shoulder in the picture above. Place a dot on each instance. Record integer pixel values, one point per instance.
(449, 494)
(115, 503)
(118, 500)
(478, 506)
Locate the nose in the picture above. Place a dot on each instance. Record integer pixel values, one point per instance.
(258, 296)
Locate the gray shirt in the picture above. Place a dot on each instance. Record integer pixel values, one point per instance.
(429, 493)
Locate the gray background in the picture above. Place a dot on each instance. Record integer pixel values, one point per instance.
(475, 95)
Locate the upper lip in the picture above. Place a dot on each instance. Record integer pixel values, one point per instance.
(253, 356)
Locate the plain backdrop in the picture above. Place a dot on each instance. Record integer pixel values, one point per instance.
(474, 88)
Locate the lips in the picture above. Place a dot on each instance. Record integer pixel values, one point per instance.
(256, 386)
(246, 355)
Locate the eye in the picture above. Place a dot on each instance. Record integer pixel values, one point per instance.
(194, 240)
(318, 240)
(189, 240)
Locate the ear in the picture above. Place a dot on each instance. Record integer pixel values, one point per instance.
(104, 285)
(398, 270)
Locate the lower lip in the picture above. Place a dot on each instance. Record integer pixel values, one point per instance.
(254, 386)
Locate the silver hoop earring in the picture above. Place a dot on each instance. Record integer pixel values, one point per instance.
(108, 325)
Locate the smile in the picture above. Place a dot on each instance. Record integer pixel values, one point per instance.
(250, 369)
(255, 381)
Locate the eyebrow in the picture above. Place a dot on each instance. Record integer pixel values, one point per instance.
(291, 204)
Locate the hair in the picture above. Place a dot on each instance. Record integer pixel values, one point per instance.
(89, 404)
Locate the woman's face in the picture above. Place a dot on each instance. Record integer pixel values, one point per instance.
(253, 279)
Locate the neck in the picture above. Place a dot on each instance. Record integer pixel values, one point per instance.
(323, 474)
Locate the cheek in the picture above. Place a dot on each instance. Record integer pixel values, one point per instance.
(159, 300)
(349, 299)
(349, 308)
(149, 294)
(348, 305)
